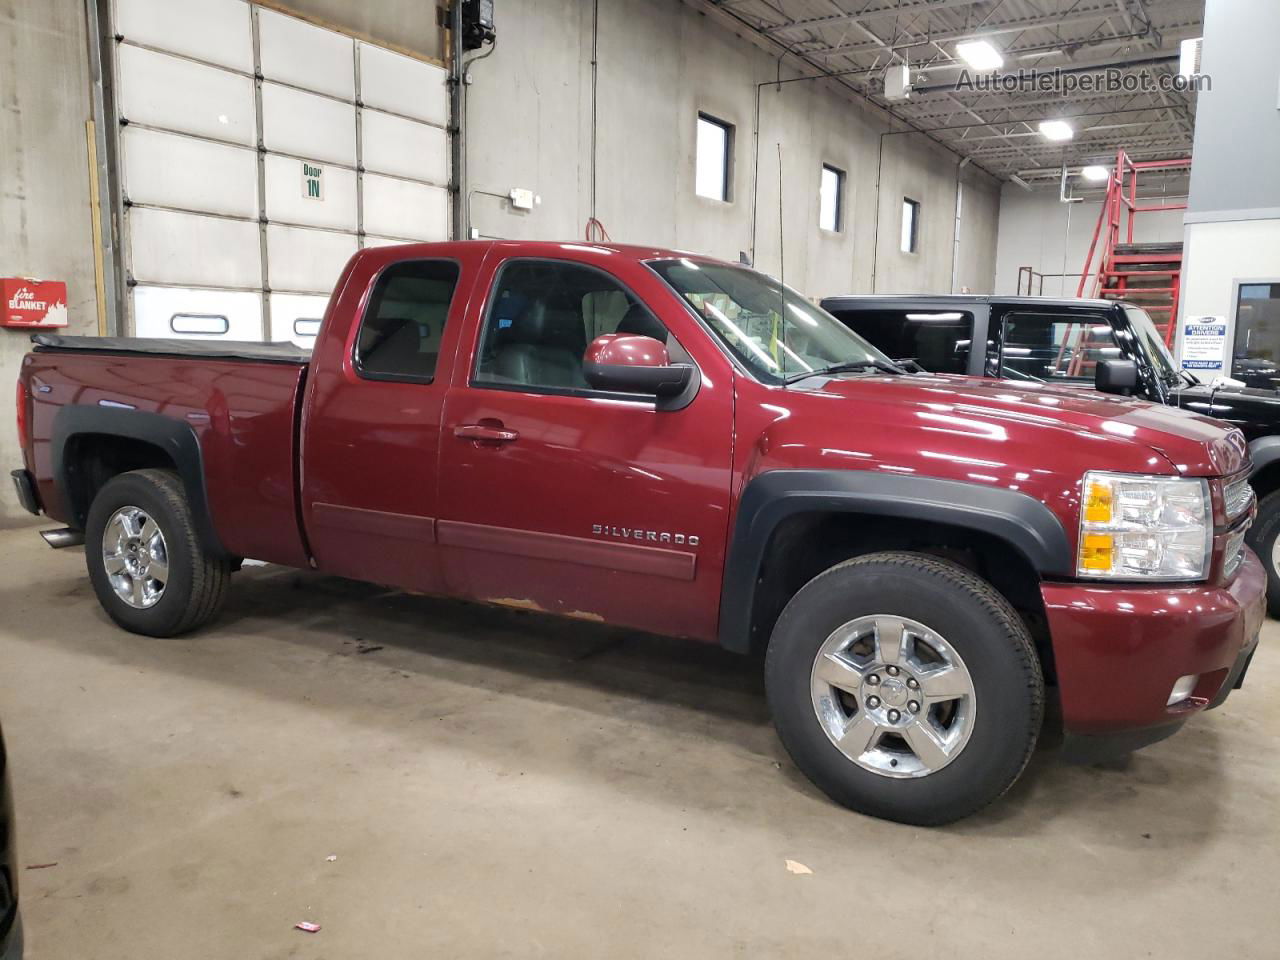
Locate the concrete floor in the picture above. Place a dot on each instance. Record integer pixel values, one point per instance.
(495, 784)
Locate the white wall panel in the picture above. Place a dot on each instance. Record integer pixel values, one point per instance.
(307, 125)
(297, 52)
(392, 81)
(399, 208)
(371, 241)
(186, 248)
(157, 310)
(286, 199)
(176, 171)
(296, 318)
(306, 260)
(176, 94)
(403, 147)
(213, 30)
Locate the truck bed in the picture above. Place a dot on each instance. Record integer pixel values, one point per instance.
(172, 347)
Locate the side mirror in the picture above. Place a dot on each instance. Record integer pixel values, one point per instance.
(629, 363)
(1116, 376)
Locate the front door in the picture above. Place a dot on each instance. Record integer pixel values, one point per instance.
(561, 498)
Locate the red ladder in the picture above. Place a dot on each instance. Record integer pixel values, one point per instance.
(1147, 274)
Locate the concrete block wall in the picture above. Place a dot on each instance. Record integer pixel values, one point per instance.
(45, 226)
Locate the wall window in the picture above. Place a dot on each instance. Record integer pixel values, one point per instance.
(831, 199)
(543, 315)
(1044, 347)
(910, 225)
(400, 332)
(1256, 358)
(714, 156)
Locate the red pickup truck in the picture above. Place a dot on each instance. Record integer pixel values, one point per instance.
(683, 446)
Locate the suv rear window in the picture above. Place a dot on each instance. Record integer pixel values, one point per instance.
(938, 340)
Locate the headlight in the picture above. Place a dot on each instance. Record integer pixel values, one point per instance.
(1151, 528)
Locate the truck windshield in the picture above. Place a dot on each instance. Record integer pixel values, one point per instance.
(1152, 343)
(776, 333)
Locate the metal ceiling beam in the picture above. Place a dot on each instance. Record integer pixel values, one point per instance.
(920, 6)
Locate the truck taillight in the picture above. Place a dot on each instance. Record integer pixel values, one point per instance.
(22, 414)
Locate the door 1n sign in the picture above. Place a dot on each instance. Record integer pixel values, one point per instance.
(312, 181)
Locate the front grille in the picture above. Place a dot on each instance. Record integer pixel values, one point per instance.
(1237, 496)
(1234, 552)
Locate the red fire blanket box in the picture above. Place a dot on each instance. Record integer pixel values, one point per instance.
(32, 303)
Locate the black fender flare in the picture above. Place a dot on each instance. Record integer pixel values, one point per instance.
(1263, 451)
(1021, 521)
(174, 437)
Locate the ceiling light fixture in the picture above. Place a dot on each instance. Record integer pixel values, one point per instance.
(1095, 173)
(1056, 129)
(980, 55)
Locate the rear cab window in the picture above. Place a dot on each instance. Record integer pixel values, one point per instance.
(1046, 347)
(400, 332)
(938, 339)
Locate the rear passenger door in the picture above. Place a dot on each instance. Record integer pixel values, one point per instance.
(562, 498)
(371, 430)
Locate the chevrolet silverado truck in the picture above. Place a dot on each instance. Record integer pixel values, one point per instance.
(678, 445)
(1107, 344)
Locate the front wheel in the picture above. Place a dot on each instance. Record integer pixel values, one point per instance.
(148, 566)
(905, 687)
(1264, 538)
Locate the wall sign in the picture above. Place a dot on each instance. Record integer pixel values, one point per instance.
(33, 303)
(312, 181)
(1204, 344)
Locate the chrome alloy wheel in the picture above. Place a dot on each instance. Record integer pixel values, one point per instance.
(1275, 555)
(136, 557)
(893, 696)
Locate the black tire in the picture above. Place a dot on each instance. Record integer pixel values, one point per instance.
(975, 620)
(1262, 538)
(196, 584)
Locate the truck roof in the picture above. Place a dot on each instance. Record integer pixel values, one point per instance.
(956, 299)
(630, 251)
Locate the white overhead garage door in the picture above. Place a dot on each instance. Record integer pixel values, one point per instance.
(257, 153)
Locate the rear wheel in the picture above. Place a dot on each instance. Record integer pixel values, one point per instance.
(905, 687)
(149, 568)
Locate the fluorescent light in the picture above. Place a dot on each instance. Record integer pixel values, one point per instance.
(980, 55)
(1189, 57)
(1095, 173)
(1056, 129)
(935, 316)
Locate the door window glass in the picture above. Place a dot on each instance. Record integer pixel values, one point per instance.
(400, 332)
(938, 340)
(1048, 347)
(543, 315)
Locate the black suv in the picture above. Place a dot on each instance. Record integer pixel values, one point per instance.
(10, 922)
(1107, 344)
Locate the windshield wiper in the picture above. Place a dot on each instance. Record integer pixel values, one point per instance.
(848, 366)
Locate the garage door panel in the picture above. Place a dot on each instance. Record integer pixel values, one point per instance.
(398, 208)
(372, 241)
(186, 248)
(392, 81)
(218, 31)
(288, 201)
(176, 171)
(306, 260)
(294, 51)
(404, 148)
(164, 91)
(196, 314)
(296, 318)
(307, 125)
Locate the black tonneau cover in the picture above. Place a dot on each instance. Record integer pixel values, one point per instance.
(197, 349)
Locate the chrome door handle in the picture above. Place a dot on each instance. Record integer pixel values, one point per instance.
(484, 432)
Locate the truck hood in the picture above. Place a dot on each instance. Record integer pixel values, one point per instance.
(1192, 444)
